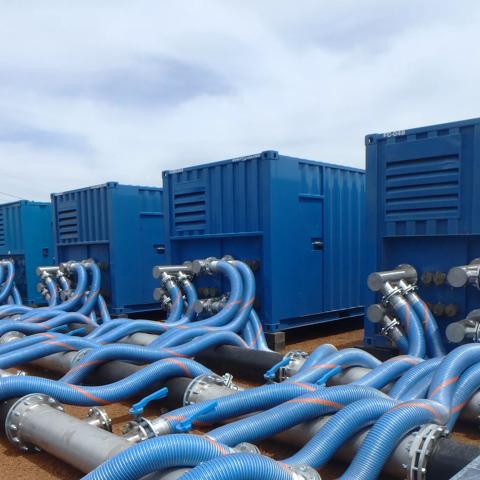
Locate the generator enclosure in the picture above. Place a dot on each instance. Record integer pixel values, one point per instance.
(423, 209)
(26, 238)
(298, 223)
(121, 227)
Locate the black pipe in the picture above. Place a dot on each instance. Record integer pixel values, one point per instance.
(449, 457)
(247, 364)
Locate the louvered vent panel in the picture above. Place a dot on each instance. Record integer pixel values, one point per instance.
(423, 189)
(2, 229)
(190, 210)
(67, 224)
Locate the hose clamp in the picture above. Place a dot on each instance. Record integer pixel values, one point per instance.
(246, 447)
(79, 356)
(11, 336)
(296, 359)
(141, 429)
(409, 288)
(422, 447)
(304, 472)
(201, 383)
(17, 413)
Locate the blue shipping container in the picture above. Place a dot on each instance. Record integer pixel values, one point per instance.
(26, 237)
(299, 223)
(423, 205)
(121, 228)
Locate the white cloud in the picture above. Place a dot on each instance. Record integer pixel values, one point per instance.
(116, 90)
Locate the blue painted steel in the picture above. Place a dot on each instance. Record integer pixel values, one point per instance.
(26, 237)
(423, 204)
(298, 223)
(121, 228)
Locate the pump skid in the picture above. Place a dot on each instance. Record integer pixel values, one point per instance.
(298, 223)
(423, 206)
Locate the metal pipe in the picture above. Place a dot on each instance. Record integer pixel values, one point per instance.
(52, 270)
(461, 275)
(403, 272)
(159, 270)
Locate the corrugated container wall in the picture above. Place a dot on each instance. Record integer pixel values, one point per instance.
(26, 237)
(423, 204)
(299, 223)
(122, 228)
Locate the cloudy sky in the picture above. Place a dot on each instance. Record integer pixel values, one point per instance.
(94, 91)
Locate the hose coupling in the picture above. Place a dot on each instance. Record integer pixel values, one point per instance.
(138, 430)
(22, 408)
(246, 447)
(16, 373)
(98, 417)
(465, 274)
(195, 391)
(296, 359)
(202, 267)
(304, 472)
(421, 449)
(11, 337)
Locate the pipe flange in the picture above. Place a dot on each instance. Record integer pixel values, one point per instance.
(16, 414)
(203, 382)
(387, 298)
(98, 417)
(296, 359)
(390, 323)
(246, 447)
(304, 472)
(141, 428)
(422, 447)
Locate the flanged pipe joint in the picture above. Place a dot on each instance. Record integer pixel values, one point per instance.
(465, 330)
(390, 327)
(17, 415)
(465, 274)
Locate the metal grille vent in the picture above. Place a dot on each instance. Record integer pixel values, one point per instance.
(423, 189)
(67, 224)
(190, 210)
(2, 229)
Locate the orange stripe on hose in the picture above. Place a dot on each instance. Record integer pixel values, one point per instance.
(324, 365)
(257, 336)
(179, 364)
(100, 401)
(443, 385)
(418, 405)
(216, 445)
(247, 304)
(303, 385)
(61, 344)
(458, 407)
(407, 317)
(86, 364)
(318, 401)
(425, 317)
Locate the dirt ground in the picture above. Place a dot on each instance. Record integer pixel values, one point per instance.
(41, 466)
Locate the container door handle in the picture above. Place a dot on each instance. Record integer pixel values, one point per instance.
(317, 244)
